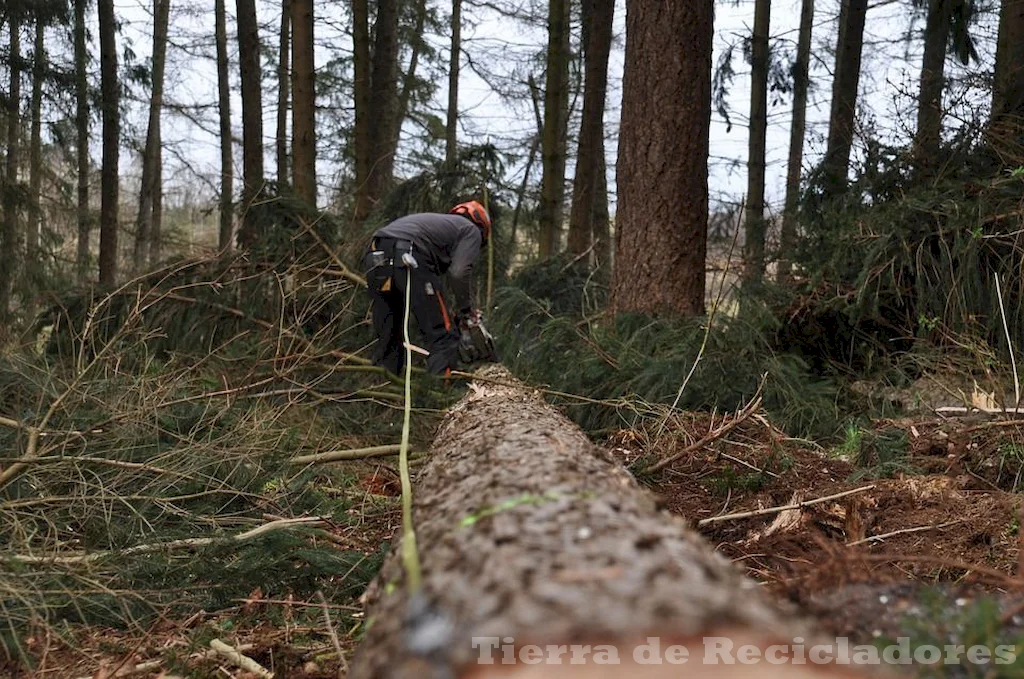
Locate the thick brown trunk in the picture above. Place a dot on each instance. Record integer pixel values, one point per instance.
(252, 120)
(590, 198)
(754, 226)
(151, 155)
(529, 534)
(10, 238)
(35, 173)
(451, 136)
(227, 163)
(801, 81)
(556, 114)
(303, 103)
(836, 164)
(384, 99)
(361, 85)
(283, 93)
(110, 95)
(662, 172)
(933, 66)
(82, 141)
(1007, 122)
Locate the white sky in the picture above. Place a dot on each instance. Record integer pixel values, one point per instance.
(887, 84)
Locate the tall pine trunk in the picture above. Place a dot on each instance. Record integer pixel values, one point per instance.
(361, 86)
(556, 113)
(662, 173)
(84, 216)
(252, 120)
(451, 135)
(303, 102)
(151, 155)
(1007, 122)
(10, 240)
(836, 164)
(409, 82)
(384, 99)
(227, 164)
(801, 82)
(35, 173)
(588, 217)
(933, 66)
(754, 226)
(283, 94)
(110, 95)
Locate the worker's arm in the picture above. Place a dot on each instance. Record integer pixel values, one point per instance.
(460, 273)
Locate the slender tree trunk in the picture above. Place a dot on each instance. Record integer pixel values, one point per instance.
(151, 156)
(556, 113)
(303, 102)
(361, 86)
(35, 176)
(384, 98)
(933, 66)
(1007, 122)
(156, 236)
(836, 164)
(283, 85)
(82, 140)
(754, 226)
(110, 95)
(662, 173)
(590, 198)
(10, 238)
(227, 164)
(409, 82)
(452, 128)
(531, 157)
(530, 535)
(252, 120)
(801, 81)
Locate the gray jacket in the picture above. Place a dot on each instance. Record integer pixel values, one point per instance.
(450, 244)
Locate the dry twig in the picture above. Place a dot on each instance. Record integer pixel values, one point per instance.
(782, 508)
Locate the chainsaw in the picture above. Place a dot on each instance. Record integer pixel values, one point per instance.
(475, 342)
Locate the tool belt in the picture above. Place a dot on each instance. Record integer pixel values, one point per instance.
(390, 252)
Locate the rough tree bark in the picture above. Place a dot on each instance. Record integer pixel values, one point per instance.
(303, 102)
(801, 82)
(1007, 121)
(10, 240)
(82, 140)
(361, 85)
(528, 531)
(662, 175)
(850, 44)
(588, 217)
(110, 96)
(556, 115)
(933, 68)
(451, 132)
(227, 163)
(754, 227)
(283, 94)
(35, 149)
(252, 119)
(151, 155)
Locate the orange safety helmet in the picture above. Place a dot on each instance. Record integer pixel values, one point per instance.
(474, 212)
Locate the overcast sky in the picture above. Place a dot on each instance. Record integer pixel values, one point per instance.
(888, 82)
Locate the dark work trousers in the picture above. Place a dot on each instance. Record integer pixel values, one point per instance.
(387, 284)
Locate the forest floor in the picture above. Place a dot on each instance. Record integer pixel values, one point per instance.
(929, 538)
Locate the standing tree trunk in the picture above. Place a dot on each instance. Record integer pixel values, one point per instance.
(409, 82)
(82, 140)
(451, 138)
(151, 156)
(933, 66)
(801, 82)
(590, 197)
(303, 103)
(35, 173)
(227, 164)
(10, 241)
(662, 174)
(531, 535)
(556, 115)
(252, 120)
(110, 95)
(363, 133)
(754, 226)
(836, 164)
(1007, 122)
(283, 94)
(384, 99)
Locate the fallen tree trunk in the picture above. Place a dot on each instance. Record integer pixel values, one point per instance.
(530, 535)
